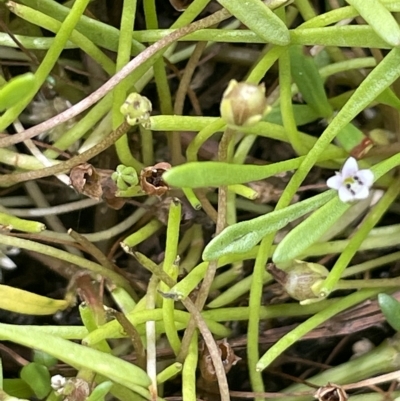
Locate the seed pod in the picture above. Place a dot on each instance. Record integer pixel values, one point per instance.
(300, 279)
(151, 179)
(243, 104)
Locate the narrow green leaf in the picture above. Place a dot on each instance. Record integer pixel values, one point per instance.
(16, 89)
(307, 78)
(215, 174)
(260, 19)
(379, 18)
(78, 356)
(309, 231)
(391, 309)
(242, 237)
(99, 393)
(354, 141)
(38, 378)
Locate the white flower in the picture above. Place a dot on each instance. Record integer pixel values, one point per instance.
(58, 382)
(351, 183)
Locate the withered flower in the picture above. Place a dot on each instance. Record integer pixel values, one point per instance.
(86, 180)
(96, 184)
(227, 355)
(331, 392)
(151, 179)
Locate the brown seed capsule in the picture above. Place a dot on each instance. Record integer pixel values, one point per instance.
(300, 279)
(151, 179)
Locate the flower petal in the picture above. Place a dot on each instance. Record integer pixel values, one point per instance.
(350, 167)
(363, 193)
(345, 195)
(335, 182)
(367, 177)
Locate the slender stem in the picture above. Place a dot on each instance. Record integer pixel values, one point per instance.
(46, 65)
(163, 90)
(54, 210)
(253, 354)
(170, 267)
(119, 94)
(189, 371)
(370, 283)
(314, 321)
(35, 17)
(143, 233)
(187, 77)
(285, 85)
(223, 152)
(151, 337)
(200, 322)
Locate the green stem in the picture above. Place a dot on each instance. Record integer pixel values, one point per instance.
(210, 125)
(163, 90)
(189, 371)
(170, 267)
(285, 85)
(196, 248)
(169, 372)
(256, 287)
(370, 283)
(100, 33)
(48, 62)
(83, 126)
(15, 223)
(371, 264)
(290, 338)
(207, 132)
(146, 144)
(143, 233)
(151, 337)
(119, 94)
(35, 17)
